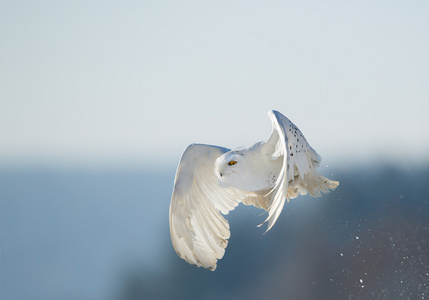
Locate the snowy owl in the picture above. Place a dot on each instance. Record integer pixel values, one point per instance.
(211, 181)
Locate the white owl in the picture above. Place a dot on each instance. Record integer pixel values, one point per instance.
(211, 181)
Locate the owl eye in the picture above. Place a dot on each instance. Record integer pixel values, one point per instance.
(232, 162)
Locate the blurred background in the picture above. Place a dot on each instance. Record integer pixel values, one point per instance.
(98, 100)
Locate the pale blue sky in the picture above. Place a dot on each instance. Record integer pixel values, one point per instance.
(124, 82)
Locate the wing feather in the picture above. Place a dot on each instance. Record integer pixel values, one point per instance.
(199, 232)
(298, 172)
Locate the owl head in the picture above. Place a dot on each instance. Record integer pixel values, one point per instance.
(230, 169)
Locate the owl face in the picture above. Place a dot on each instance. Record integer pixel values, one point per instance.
(228, 168)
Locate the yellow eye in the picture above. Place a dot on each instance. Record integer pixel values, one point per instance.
(232, 162)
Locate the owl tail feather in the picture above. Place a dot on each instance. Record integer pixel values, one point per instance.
(313, 183)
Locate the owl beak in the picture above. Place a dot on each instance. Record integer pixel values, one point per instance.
(220, 174)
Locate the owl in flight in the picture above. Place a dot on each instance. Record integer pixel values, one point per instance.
(211, 181)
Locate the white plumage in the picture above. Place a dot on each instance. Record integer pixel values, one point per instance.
(211, 181)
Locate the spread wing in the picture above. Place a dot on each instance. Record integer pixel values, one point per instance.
(298, 173)
(199, 232)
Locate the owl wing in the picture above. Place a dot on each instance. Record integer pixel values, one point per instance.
(299, 162)
(199, 232)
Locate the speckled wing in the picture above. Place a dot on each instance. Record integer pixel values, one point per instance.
(298, 172)
(199, 232)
